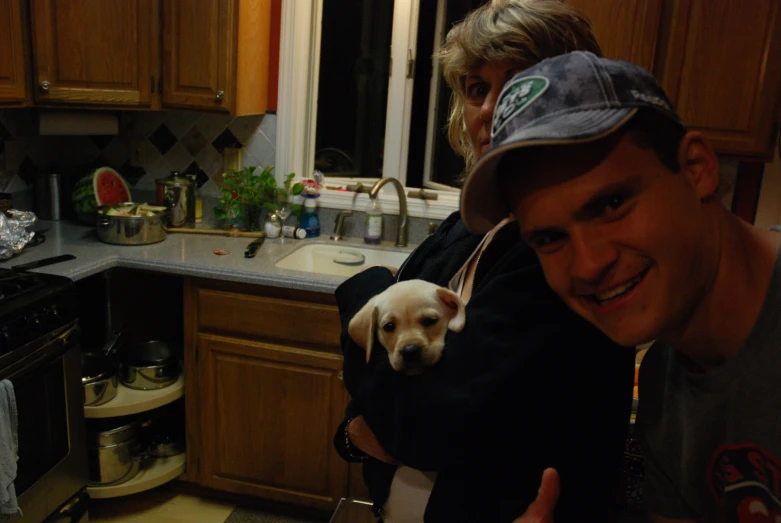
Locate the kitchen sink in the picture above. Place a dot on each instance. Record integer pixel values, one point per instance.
(340, 260)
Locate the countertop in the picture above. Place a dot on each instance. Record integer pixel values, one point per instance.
(181, 254)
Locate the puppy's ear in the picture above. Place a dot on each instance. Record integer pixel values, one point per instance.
(361, 327)
(456, 307)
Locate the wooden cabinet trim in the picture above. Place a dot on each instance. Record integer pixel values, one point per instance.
(275, 353)
(13, 88)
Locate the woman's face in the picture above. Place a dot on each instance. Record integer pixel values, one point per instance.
(483, 86)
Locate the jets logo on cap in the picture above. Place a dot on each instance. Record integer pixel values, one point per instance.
(515, 98)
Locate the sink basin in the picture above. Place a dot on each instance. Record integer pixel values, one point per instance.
(340, 260)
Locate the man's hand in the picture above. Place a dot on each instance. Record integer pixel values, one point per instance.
(362, 437)
(393, 270)
(541, 510)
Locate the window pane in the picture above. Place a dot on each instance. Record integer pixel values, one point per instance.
(353, 87)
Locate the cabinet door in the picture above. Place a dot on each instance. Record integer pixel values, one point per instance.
(268, 418)
(625, 30)
(12, 84)
(722, 70)
(199, 53)
(101, 52)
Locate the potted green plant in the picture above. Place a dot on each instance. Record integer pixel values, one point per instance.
(246, 193)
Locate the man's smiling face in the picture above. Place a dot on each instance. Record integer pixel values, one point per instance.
(622, 239)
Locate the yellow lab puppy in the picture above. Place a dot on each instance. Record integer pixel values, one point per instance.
(411, 319)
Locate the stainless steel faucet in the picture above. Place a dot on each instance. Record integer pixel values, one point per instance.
(403, 230)
(338, 235)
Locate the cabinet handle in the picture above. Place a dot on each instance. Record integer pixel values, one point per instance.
(341, 375)
(220, 95)
(45, 85)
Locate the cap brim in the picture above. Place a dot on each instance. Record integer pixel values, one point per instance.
(482, 204)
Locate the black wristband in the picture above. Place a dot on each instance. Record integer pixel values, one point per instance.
(352, 451)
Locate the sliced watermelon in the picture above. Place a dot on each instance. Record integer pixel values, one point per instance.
(104, 186)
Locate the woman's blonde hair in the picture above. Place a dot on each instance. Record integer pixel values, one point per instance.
(521, 31)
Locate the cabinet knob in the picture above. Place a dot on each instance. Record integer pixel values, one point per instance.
(340, 375)
(45, 85)
(220, 95)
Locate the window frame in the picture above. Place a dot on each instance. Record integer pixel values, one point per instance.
(297, 109)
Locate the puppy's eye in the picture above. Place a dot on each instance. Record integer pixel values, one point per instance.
(429, 322)
(389, 327)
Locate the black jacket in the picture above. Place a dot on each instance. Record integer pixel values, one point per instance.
(526, 385)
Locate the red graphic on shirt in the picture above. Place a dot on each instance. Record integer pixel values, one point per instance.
(746, 481)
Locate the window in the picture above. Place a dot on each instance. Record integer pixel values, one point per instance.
(361, 97)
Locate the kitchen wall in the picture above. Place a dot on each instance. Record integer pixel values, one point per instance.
(183, 141)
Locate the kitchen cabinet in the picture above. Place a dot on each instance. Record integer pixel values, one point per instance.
(722, 70)
(12, 53)
(216, 55)
(718, 60)
(625, 30)
(267, 395)
(95, 52)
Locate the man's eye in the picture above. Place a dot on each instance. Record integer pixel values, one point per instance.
(389, 327)
(429, 322)
(615, 202)
(546, 241)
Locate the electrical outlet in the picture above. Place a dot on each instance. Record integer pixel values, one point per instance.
(137, 153)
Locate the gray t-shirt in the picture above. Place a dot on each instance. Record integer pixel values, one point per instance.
(712, 441)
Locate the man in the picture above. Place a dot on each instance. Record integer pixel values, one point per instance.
(620, 203)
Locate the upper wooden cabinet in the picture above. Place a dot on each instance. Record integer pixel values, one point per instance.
(722, 69)
(12, 56)
(625, 30)
(718, 60)
(216, 54)
(102, 52)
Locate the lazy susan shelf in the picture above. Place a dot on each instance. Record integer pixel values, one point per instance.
(161, 471)
(132, 401)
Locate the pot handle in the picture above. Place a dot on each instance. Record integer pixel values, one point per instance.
(112, 344)
(103, 222)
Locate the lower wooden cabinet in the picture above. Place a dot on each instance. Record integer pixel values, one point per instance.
(267, 400)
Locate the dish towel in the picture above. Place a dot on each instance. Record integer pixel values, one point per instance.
(9, 450)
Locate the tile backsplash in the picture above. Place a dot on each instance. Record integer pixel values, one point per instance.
(173, 141)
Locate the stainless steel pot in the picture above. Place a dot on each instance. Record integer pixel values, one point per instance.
(99, 374)
(149, 366)
(177, 193)
(113, 455)
(129, 230)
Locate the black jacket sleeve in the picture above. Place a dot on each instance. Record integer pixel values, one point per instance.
(495, 408)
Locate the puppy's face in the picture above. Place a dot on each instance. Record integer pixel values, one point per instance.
(411, 319)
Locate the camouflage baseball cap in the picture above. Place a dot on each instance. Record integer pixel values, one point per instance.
(572, 98)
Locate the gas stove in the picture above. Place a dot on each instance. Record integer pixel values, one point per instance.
(32, 305)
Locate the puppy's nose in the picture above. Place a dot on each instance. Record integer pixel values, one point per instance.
(411, 353)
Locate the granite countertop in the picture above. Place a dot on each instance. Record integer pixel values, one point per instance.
(182, 254)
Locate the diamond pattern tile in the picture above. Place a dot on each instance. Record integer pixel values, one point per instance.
(116, 152)
(163, 139)
(260, 150)
(180, 122)
(226, 139)
(178, 158)
(210, 160)
(211, 125)
(244, 127)
(268, 126)
(200, 176)
(194, 141)
(131, 174)
(5, 134)
(146, 122)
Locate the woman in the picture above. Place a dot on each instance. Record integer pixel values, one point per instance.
(527, 385)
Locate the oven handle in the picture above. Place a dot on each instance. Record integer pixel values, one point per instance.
(49, 352)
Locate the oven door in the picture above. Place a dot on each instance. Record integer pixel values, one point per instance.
(52, 464)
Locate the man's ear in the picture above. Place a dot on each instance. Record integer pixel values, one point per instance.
(456, 308)
(699, 163)
(361, 327)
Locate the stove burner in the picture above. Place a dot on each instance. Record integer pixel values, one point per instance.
(12, 283)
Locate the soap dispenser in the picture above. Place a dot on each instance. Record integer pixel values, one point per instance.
(372, 232)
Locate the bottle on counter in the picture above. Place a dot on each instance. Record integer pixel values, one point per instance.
(372, 231)
(310, 221)
(291, 231)
(198, 201)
